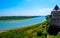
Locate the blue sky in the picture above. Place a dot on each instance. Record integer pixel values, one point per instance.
(27, 7)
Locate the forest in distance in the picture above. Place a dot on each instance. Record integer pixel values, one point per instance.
(15, 17)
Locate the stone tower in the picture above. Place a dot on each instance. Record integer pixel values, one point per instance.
(55, 17)
(54, 27)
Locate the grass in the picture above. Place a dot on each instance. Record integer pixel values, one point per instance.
(52, 36)
(34, 31)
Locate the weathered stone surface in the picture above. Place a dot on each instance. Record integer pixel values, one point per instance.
(55, 19)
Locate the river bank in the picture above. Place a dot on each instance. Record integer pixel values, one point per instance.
(27, 32)
(8, 18)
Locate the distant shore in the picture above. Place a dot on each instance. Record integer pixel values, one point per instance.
(5, 18)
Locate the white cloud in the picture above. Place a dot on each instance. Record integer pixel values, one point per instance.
(38, 12)
(26, 12)
(45, 11)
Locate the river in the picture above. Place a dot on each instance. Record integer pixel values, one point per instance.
(6, 25)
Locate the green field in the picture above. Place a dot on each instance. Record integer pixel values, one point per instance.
(52, 36)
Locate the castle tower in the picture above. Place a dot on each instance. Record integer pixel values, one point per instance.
(54, 27)
(55, 17)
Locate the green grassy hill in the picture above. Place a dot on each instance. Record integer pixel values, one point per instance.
(34, 31)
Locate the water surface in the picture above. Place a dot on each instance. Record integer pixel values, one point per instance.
(6, 25)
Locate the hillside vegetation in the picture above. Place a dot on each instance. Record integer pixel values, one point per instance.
(5, 18)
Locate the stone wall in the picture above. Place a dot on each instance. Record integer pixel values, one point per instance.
(55, 19)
